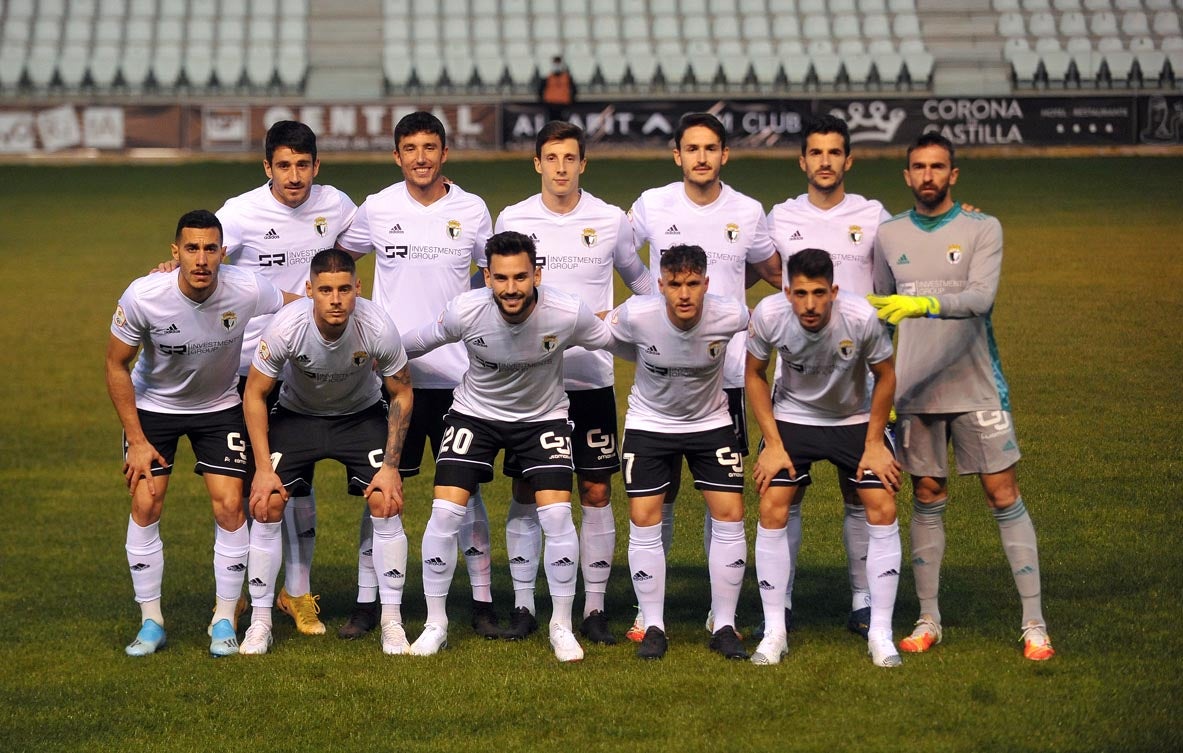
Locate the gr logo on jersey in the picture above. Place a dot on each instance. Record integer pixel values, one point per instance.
(454, 229)
(846, 349)
(321, 225)
(360, 357)
(856, 234)
(953, 255)
(550, 343)
(589, 236)
(715, 349)
(229, 320)
(731, 232)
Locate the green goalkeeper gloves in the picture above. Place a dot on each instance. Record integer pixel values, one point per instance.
(894, 308)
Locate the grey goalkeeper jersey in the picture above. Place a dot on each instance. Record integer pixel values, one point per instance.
(947, 364)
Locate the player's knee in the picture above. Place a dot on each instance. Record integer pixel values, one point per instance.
(880, 506)
(929, 489)
(595, 491)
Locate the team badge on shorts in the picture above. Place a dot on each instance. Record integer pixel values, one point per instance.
(120, 317)
(360, 357)
(589, 236)
(856, 234)
(715, 349)
(732, 232)
(454, 229)
(550, 343)
(846, 348)
(953, 255)
(229, 320)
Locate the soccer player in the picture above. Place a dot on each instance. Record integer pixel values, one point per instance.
(426, 233)
(187, 327)
(330, 407)
(732, 228)
(511, 397)
(677, 408)
(845, 224)
(579, 240)
(936, 272)
(274, 231)
(827, 341)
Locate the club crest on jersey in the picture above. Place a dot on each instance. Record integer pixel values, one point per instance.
(454, 229)
(732, 232)
(120, 317)
(953, 255)
(229, 320)
(856, 233)
(360, 357)
(322, 226)
(846, 349)
(264, 351)
(589, 236)
(715, 349)
(550, 343)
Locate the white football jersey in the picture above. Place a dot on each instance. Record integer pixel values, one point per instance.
(189, 353)
(821, 378)
(679, 379)
(845, 231)
(577, 252)
(330, 378)
(424, 260)
(278, 242)
(515, 371)
(732, 230)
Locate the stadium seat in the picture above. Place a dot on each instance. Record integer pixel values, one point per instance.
(857, 67)
(142, 9)
(1135, 22)
(815, 27)
(260, 63)
(1073, 24)
(71, 67)
(231, 30)
(1159, 4)
(1151, 63)
(12, 65)
(229, 65)
(198, 64)
(1173, 42)
(1103, 24)
(612, 68)
(172, 9)
(1014, 45)
(808, 7)
(737, 71)
(785, 27)
(1025, 68)
(723, 29)
(293, 29)
(459, 67)
(166, 64)
(826, 67)
(901, 6)
(1166, 22)
(867, 7)
(47, 31)
(1012, 25)
(1110, 44)
(135, 64)
(396, 65)
(21, 9)
(1127, 4)
(837, 7)
(905, 25)
(1042, 24)
(1006, 6)
(1066, 5)
(104, 65)
(642, 70)
(796, 67)
(877, 26)
(197, 8)
(138, 30)
(846, 27)
(766, 69)
(1119, 64)
(490, 69)
(1098, 5)
(704, 71)
(888, 66)
(1056, 66)
(920, 66)
(606, 28)
(1141, 44)
(698, 27)
(268, 8)
(1032, 6)
(41, 65)
(522, 70)
(574, 29)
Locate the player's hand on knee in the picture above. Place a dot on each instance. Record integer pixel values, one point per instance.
(385, 493)
(140, 457)
(265, 485)
(877, 459)
(770, 462)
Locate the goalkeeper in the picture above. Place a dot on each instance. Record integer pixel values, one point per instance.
(936, 275)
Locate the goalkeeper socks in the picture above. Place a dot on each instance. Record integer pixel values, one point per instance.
(855, 538)
(928, 549)
(1018, 541)
(793, 539)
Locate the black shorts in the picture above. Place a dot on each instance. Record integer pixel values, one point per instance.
(542, 450)
(593, 435)
(427, 425)
(357, 441)
(841, 445)
(652, 460)
(218, 440)
(737, 406)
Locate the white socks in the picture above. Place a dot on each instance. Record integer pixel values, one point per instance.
(474, 542)
(266, 553)
(597, 544)
(646, 562)
(439, 556)
(299, 529)
(523, 542)
(773, 573)
(145, 559)
(884, 557)
(727, 561)
(855, 539)
(390, 559)
(230, 563)
(367, 579)
(667, 525)
(560, 558)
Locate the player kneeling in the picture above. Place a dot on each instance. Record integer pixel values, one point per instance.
(330, 407)
(826, 342)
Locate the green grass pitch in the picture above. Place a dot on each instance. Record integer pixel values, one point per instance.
(1088, 320)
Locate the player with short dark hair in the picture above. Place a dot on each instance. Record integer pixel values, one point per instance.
(677, 409)
(937, 269)
(580, 239)
(826, 340)
(732, 228)
(187, 327)
(426, 234)
(330, 407)
(511, 397)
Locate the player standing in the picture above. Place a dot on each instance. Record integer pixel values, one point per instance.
(426, 233)
(274, 231)
(511, 397)
(732, 229)
(187, 327)
(677, 409)
(579, 240)
(937, 269)
(826, 216)
(821, 410)
(330, 407)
